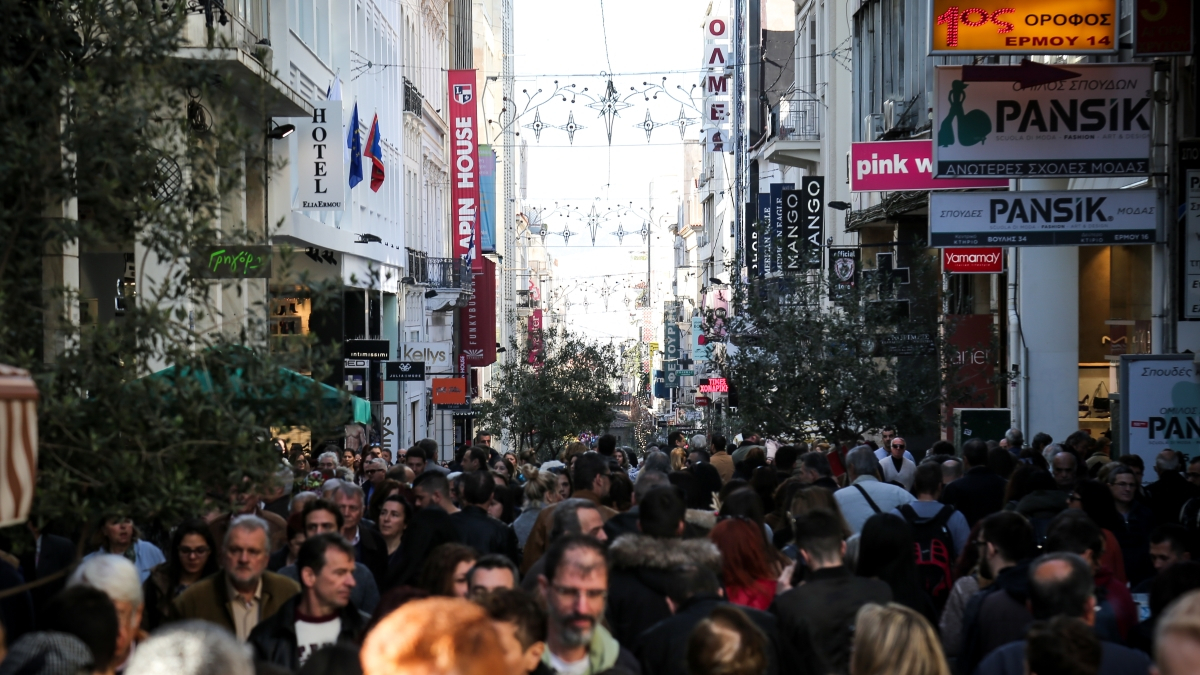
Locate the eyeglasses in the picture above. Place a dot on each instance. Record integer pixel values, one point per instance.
(193, 552)
(371, 471)
(898, 445)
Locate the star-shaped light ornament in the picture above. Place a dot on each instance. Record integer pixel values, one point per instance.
(593, 223)
(566, 235)
(537, 125)
(610, 105)
(621, 233)
(645, 231)
(647, 125)
(571, 127)
(683, 121)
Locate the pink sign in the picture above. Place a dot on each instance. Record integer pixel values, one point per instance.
(887, 166)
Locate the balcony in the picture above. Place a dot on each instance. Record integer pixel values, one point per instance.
(413, 100)
(234, 39)
(448, 287)
(795, 136)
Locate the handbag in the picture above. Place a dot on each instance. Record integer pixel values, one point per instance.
(1100, 404)
(1083, 404)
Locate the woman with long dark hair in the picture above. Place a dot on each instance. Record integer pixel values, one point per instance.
(191, 557)
(885, 552)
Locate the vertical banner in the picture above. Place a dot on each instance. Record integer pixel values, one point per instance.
(793, 222)
(843, 270)
(750, 240)
(776, 229)
(478, 318)
(534, 329)
(763, 230)
(671, 335)
(813, 188)
(699, 345)
(487, 199)
(464, 166)
(320, 162)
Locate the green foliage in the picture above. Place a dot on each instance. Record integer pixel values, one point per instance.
(96, 110)
(807, 367)
(567, 391)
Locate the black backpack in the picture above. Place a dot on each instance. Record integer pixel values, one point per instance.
(934, 550)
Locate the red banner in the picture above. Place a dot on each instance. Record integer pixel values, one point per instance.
(973, 260)
(535, 335)
(464, 166)
(478, 318)
(971, 353)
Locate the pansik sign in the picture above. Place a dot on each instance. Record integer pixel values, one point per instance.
(319, 159)
(973, 260)
(887, 166)
(1072, 218)
(1023, 27)
(464, 169)
(1160, 406)
(1097, 124)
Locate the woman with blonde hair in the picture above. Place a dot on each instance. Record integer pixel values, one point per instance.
(573, 450)
(678, 459)
(541, 490)
(892, 639)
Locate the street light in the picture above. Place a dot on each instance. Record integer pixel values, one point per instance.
(280, 131)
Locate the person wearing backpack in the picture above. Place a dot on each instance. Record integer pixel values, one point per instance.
(939, 531)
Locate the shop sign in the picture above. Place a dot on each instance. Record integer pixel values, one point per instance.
(761, 242)
(449, 390)
(1097, 124)
(973, 260)
(715, 385)
(433, 354)
(843, 269)
(404, 371)
(803, 219)
(671, 337)
(464, 168)
(889, 166)
(232, 262)
(1189, 167)
(972, 361)
(320, 162)
(750, 238)
(478, 319)
(906, 344)
(702, 401)
(1071, 218)
(1162, 27)
(1160, 406)
(1023, 27)
(774, 258)
(371, 350)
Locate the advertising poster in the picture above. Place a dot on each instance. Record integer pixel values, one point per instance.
(464, 169)
(892, 166)
(1097, 124)
(1071, 218)
(1160, 406)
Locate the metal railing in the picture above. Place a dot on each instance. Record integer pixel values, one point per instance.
(413, 100)
(797, 117)
(445, 273)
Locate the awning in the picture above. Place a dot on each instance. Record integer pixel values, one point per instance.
(294, 384)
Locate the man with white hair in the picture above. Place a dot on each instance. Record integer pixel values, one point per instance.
(327, 463)
(867, 495)
(118, 578)
(243, 593)
(191, 648)
(374, 473)
(699, 442)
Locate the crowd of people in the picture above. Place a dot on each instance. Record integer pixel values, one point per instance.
(695, 557)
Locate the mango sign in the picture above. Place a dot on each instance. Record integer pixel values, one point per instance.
(1023, 27)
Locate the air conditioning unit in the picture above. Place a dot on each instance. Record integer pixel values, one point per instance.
(873, 127)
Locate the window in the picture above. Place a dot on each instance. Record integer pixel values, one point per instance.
(310, 22)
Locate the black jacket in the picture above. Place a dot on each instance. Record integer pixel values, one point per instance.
(1167, 495)
(430, 527)
(372, 551)
(486, 534)
(274, 639)
(662, 649)
(995, 616)
(623, 523)
(816, 619)
(57, 554)
(639, 570)
(978, 494)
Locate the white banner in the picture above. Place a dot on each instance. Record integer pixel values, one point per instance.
(1097, 124)
(320, 160)
(1071, 218)
(718, 140)
(1160, 406)
(437, 356)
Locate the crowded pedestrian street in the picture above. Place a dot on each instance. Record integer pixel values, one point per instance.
(521, 337)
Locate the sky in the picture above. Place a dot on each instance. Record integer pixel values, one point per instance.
(567, 42)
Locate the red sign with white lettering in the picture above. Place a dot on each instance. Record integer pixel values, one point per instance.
(464, 166)
(887, 166)
(973, 260)
(716, 385)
